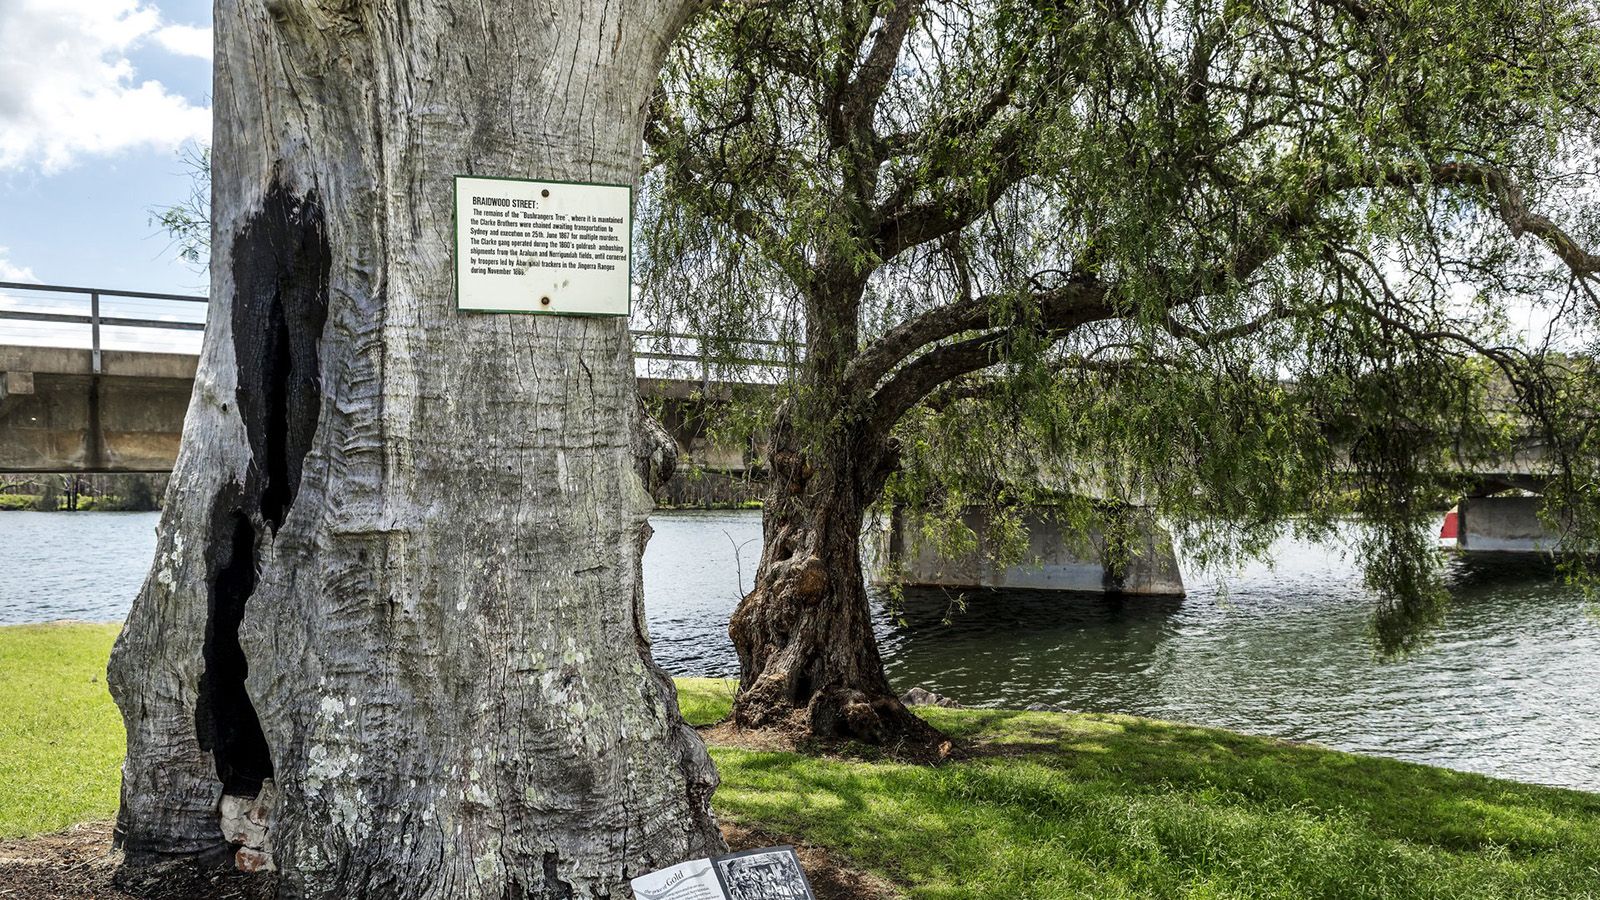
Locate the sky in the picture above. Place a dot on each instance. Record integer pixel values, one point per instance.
(97, 100)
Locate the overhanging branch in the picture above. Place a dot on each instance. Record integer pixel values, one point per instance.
(918, 378)
(1511, 206)
(880, 357)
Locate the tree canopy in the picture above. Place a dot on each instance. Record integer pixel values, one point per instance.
(1230, 260)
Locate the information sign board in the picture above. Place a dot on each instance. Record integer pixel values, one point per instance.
(543, 246)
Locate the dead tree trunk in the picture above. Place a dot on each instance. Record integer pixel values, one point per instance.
(395, 610)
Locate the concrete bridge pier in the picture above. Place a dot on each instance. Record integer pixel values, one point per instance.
(1054, 561)
(1503, 525)
(59, 414)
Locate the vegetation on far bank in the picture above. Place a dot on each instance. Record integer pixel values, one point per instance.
(125, 492)
(101, 503)
(707, 507)
(1046, 805)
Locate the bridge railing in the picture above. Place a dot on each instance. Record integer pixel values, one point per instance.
(55, 315)
(662, 354)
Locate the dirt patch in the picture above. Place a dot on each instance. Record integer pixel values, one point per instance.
(79, 864)
(831, 877)
(795, 737)
(762, 740)
(76, 863)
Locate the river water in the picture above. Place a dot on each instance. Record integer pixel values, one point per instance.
(1509, 685)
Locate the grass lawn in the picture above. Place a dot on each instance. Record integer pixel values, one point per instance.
(1052, 806)
(60, 735)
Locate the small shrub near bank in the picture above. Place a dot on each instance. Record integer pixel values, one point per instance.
(140, 496)
(18, 501)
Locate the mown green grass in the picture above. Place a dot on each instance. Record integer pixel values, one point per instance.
(1049, 805)
(60, 735)
(1096, 806)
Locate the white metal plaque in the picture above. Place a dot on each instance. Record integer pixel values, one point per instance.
(543, 246)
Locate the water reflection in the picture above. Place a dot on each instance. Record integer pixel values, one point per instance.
(1015, 648)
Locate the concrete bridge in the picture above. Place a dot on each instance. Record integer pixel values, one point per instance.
(103, 410)
(58, 414)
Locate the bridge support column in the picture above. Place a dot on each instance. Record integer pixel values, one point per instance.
(1054, 561)
(1504, 525)
(58, 415)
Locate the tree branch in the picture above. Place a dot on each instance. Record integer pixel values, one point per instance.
(902, 226)
(1067, 311)
(861, 95)
(1203, 339)
(1512, 207)
(880, 357)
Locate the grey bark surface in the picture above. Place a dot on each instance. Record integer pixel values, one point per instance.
(398, 572)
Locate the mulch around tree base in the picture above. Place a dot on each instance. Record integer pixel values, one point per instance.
(78, 864)
(829, 876)
(794, 736)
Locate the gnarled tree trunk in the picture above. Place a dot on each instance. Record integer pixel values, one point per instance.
(393, 628)
(808, 659)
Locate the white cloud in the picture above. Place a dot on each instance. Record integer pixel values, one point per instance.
(12, 272)
(185, 40)
(68, 89)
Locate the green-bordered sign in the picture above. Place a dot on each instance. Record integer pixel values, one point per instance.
(543, 246)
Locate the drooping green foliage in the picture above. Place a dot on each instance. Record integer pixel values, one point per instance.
(1250, 264)
(188, 224)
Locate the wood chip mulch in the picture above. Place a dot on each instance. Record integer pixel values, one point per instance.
(79, 864)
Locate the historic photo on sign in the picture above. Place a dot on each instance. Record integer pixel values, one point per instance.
(764, 875)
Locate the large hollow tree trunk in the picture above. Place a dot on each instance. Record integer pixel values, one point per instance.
(393, 628)
(809, 661)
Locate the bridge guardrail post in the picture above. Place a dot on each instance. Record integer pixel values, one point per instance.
(94, 329)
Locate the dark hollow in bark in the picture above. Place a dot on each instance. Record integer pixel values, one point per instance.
(280, 273)
(280, 270)
(225, 720)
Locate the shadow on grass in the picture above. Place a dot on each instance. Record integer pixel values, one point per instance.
(1061, 805)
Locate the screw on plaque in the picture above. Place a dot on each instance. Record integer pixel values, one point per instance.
(545, 192)
(544, 301)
